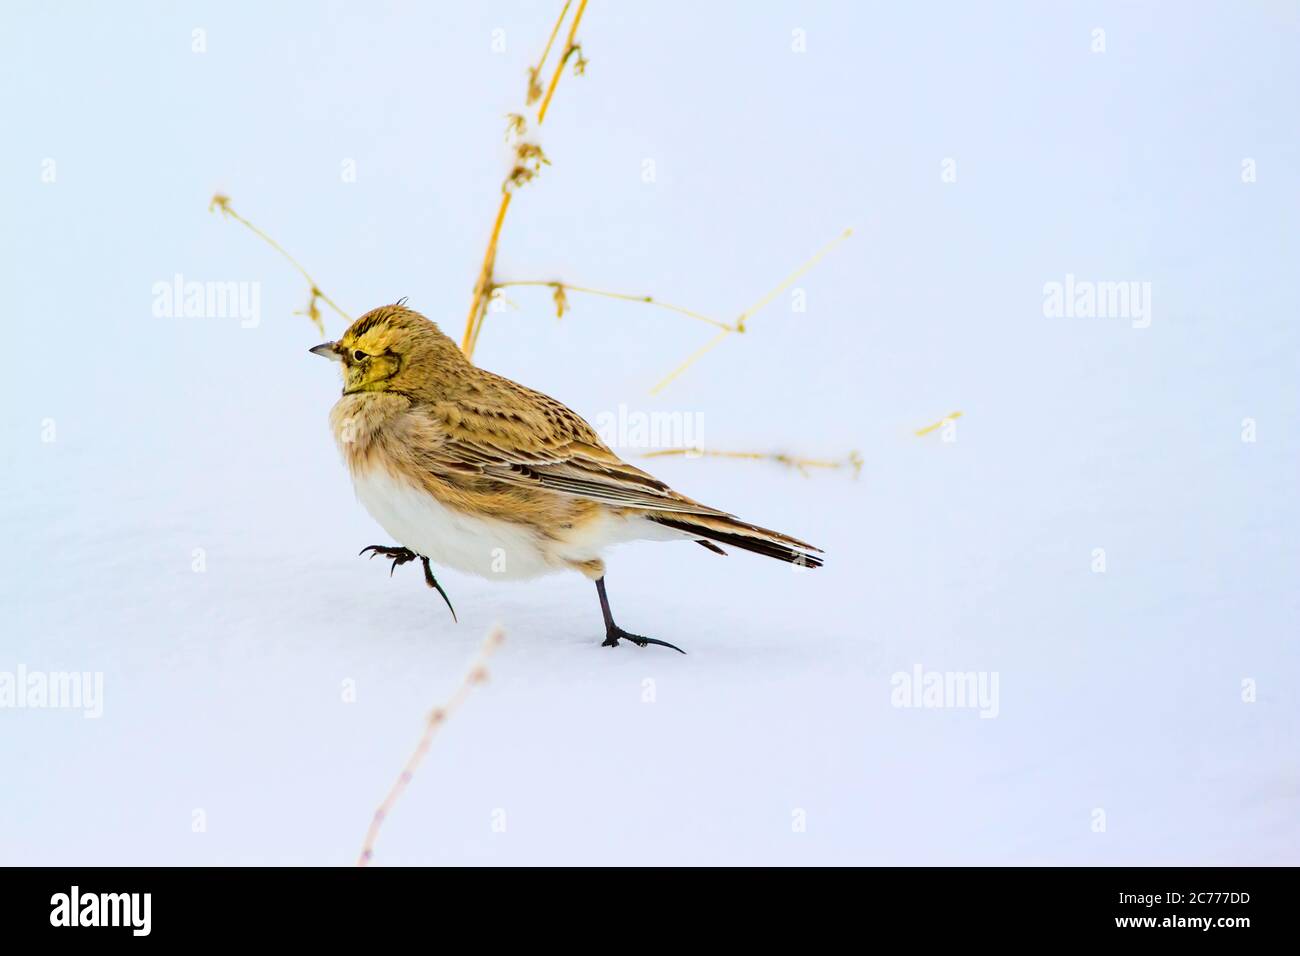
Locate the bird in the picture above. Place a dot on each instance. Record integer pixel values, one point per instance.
(472, 471)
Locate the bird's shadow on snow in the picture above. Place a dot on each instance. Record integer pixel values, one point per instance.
(551, 622)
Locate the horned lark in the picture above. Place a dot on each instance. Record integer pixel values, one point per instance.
(472, 471)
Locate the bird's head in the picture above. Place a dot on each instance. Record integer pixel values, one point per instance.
(391, 348)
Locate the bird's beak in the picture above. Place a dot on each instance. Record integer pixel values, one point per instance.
(328, 350)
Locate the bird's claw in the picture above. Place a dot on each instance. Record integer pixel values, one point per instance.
(430, 580)
(402, 556)
(613, 635)
(399, 555)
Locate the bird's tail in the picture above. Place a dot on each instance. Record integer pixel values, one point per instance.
(727, 530)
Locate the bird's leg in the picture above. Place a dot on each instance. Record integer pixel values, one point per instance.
(613, 632)
(404, 556)
(430, 580)
(399, 555)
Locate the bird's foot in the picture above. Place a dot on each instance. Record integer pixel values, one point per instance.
(404, 556)
(399, 555)
(430, 580)
(613, 634)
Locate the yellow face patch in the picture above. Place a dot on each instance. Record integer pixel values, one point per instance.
(369, 362)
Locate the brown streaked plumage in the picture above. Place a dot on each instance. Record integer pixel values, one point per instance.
(473, 471)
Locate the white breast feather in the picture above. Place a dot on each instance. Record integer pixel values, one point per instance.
(489, 547)
(449, 538)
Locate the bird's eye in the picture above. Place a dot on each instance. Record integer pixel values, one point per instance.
(358, 355)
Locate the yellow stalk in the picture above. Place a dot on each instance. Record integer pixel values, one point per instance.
(937, 425)
(564, 58)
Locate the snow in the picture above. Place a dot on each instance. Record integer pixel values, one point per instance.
(197, 441)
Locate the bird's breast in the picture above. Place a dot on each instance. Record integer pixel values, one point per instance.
(448, 536)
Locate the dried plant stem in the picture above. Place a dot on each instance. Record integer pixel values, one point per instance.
(726, 329)
(621, 296)
(739, 325)
(535, 71)
(939, 424)
(564, 58)
(477, 674)
(483, 287)
(222, 202)
(691, 359)
(852, 460)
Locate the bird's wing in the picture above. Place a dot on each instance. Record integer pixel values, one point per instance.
(510, 433)
(578, 469)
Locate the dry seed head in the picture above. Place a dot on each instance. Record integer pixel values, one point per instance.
(313, 310)
(530, 160)
(531, 152)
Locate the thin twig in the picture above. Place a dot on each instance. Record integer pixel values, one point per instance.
(624, 297)
(939, 424)
(222, 202)
(739, 325)
(477, 674)
(483, 287)
(691, 359)
(534, 89)
(853, 460)
(569, 47)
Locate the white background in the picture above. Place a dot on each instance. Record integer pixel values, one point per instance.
(1119, 691)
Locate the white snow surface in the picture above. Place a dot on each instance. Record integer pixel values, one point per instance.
(776, 739)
